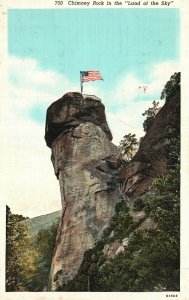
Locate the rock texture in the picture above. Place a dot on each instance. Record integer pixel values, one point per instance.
(93, 178)
(150, 160)
(70, 111)
(86, 164)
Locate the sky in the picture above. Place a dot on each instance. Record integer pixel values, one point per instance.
(47, 49)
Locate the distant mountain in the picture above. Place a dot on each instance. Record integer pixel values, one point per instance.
(42, 222)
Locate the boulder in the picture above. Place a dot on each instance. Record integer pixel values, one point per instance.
(70, 111)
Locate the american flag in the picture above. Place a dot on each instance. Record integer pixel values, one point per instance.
(90, 76)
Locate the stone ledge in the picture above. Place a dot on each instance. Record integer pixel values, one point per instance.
(70, 111)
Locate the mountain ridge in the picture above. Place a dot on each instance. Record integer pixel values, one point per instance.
(41, 222)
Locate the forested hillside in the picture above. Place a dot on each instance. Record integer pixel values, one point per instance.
(140, 249)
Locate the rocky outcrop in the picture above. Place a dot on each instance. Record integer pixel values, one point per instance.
(72, 110)
(93, 179)
(150, 160)
(86, 164)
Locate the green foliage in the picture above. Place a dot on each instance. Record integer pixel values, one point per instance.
(170, 89)
(44, 245)
(121, 223)
(128, 146)
(28, 258)
(139, 204)
(172, 86)
(42, 222)
(91, 276)
(150, 114)
(151, 259)
(45, 242)
(20, 254)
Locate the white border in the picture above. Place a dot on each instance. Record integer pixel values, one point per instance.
(184, 293)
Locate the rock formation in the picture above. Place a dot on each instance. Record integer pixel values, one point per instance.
(150, 160)
(92, 177)
(86, 164)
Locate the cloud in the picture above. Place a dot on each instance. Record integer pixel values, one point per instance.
(29, 85)
(160, 74)
(128, 120)
(28, 181)
(128, 89)
(128, 102)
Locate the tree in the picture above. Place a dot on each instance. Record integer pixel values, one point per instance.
(150, 261)
(28, 258)
(20, 254)
(150, 113)
(172, 86)
(128, 146)
(44, 245)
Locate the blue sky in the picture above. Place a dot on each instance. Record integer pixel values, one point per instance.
(47, 48)
(114, 41)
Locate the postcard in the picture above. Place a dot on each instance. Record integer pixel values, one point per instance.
(94, 160)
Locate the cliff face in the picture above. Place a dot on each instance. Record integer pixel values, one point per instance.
(93, 179)
(86, 164)
(139, 251)
(72, 110)
(151, 159)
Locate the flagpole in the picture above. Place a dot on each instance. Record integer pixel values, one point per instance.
(81, 83)
(86, 76)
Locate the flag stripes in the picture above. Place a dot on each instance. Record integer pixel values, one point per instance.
(90, 76)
